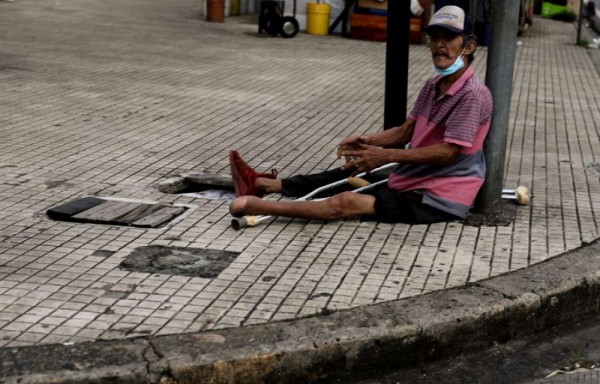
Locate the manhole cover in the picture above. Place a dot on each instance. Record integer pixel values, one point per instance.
(197, 262)
(202, 185)
(116, 212)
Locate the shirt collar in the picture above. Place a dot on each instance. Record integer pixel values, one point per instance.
(459, 83)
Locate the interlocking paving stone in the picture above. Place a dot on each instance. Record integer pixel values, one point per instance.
(110, 98)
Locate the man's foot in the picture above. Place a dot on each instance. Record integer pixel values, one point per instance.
(244, 177)
(237, 207)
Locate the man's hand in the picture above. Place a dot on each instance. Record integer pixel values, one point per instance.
(351, 144)
(365, 158)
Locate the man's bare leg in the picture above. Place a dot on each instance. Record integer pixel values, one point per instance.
(268, 185)
(342, 205)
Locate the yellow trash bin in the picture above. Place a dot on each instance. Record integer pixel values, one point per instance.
(317, 18)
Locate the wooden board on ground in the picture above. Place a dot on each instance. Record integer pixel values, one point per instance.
(159, 217)
(139, 212)
(116, 212)
(108, 211)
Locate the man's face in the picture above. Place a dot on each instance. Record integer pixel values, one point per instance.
(445, 47)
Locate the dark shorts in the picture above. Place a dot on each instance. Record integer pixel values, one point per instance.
(391, 206)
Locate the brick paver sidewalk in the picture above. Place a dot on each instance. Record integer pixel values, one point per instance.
(109, 98)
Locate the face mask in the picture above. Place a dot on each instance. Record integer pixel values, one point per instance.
(457, 65)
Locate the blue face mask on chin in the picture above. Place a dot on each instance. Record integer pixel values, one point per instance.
(456, 66)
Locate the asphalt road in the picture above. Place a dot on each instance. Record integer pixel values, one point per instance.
(522, 361)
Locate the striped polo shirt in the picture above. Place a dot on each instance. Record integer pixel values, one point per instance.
(461, 116)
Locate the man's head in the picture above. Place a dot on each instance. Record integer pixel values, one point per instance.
(450, 35)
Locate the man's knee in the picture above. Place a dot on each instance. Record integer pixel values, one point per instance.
(343, 205)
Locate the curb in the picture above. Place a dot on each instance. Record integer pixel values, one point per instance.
(388, 335)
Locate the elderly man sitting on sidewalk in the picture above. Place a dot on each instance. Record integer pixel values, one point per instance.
(439, 173)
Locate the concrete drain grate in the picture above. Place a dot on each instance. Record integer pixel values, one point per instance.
(195, 262)
(202, 185)
(116, 212)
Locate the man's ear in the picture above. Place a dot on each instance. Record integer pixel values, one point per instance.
(470, 47)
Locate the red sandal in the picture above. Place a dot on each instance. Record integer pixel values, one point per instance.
(244, 177)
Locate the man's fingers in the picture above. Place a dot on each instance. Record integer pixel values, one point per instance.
(352, 153)
(351, 162)
(363, 139)
(358, 170)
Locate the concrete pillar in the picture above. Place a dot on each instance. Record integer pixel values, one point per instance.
(499, 76)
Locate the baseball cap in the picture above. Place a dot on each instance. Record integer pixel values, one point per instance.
(451, 18)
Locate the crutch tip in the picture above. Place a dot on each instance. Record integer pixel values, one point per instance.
(522, 194)
(246, 221)
(239, 223)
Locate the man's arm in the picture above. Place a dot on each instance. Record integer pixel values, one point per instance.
(392, 138)
(369, 157)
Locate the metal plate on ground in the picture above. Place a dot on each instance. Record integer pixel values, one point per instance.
(116, 212)
(200, 186)
(195, 262)
(212, 194)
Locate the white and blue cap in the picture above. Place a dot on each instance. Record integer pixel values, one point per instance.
(451, 18)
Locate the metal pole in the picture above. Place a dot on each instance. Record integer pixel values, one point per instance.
(396, 63)
(579, 22)
(499, 76)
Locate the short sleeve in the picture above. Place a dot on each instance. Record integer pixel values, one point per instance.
(466, 118)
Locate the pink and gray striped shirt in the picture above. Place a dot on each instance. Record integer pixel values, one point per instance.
(461, 116)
